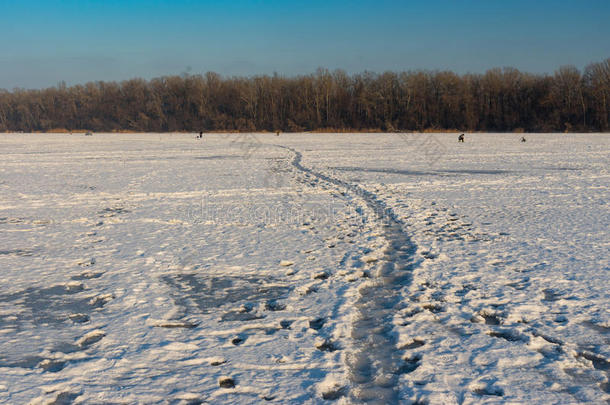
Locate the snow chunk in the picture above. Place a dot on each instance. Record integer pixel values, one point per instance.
(369, 259)
(226, 382)
(331, 388)
(92, 337)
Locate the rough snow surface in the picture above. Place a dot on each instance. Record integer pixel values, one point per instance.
(351, 268)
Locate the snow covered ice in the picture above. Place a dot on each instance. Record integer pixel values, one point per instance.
(305, 268)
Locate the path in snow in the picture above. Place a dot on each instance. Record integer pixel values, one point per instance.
(375, 363)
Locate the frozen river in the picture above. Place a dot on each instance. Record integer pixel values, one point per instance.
(304, 268)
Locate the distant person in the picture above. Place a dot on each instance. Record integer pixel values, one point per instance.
(277, 133)
(200, 136)
(522, 139)
(461, 138)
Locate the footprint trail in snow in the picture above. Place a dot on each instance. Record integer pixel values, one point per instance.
(375, 362)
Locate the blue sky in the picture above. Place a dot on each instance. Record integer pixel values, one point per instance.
(44, 42)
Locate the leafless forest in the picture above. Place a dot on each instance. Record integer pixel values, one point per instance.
(498, 100)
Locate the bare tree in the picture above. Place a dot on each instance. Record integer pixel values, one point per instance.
(499, 100)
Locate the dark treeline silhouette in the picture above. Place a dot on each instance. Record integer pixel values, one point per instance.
(498, 100)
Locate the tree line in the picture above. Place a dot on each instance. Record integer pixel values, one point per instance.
(497, 100)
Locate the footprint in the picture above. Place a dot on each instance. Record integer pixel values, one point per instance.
(489, 391)
(64, 398)
(548, 338)
(274, 305)
(79, 318)
(428, 255)
(596, 327)
(217, 361)
(323, 275)
(101, 300)
(599, 363)
(51, 365)
(434, 308)
(550, 295)
(240, 316)
(317, 323)
(285, 323)
(238, 340)
(226, 382)
(550, 352)
(507, 335)
(490, 318)
(325, 345)
(410, 364)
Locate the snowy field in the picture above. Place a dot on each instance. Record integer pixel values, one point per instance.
(304, 268)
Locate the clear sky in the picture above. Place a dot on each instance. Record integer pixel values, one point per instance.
(44, 42)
